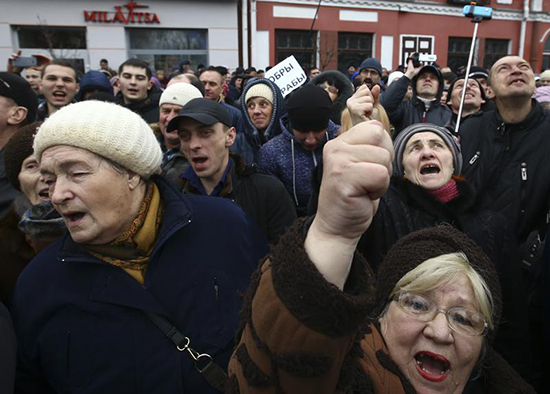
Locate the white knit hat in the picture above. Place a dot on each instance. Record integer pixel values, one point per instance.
(260, 90)
(180, 94)
(107, 129)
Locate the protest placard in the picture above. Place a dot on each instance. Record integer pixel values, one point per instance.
(288, 75)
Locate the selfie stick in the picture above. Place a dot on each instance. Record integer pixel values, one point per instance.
(478, 14)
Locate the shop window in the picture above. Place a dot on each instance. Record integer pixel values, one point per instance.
(459, 51)
(297, 43)
(48, 37)
(353, 48)
(494, 50)
(164, 48)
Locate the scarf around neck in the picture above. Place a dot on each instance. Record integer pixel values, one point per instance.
(131, 250)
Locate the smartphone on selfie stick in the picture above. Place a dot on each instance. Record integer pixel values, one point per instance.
(478, 13)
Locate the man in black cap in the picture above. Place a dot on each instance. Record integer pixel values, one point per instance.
(425, 105)
(205, 133)
(370, 72)
(18, 104)
(293, 155)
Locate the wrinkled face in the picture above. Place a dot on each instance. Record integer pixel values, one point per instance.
(259, 110)
(33, 78)
(427, 85)
(473, 95)
(206, 147)
(545, 81)
(434, 358)
(134, 84)
(31, 181)
(310, 140)
(369, 77)
(168, 112)
(213, 84)
(59, 85)
(512, 77)
(91, 196)
(427, 161)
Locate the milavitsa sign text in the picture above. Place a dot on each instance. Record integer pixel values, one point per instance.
(125, 14)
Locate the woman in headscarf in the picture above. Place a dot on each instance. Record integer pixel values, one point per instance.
(262, 106)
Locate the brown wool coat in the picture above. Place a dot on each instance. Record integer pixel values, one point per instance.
(300, 334)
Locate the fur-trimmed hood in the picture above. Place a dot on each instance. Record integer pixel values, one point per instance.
(345, 91)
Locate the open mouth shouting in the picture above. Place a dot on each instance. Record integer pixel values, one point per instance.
(73, 218)
(199, 162)
(430, 169)
(432, 367)
(59, 95)
(44, 194)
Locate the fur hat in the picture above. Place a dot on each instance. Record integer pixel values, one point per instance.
(260, 90)
(179, 94)
(402, 138)
(415, 248)
(18, 148)
(107, 129)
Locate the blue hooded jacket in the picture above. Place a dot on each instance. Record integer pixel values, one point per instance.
(93, 80)
(250, 141)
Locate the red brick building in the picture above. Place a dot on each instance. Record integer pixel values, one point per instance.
(347, 31)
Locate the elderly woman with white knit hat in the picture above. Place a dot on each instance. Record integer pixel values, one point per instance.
(87, 309)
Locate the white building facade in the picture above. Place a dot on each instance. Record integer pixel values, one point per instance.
(162, 32)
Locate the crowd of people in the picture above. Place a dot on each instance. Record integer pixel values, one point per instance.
(201, 232)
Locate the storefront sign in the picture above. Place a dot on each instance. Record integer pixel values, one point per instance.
(122, 16)
(288, 75)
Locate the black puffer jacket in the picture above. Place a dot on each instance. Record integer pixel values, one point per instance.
(403, 113)
(148, 109)
(345, 91)
(407, 207)
(508, 165)
(262, 197)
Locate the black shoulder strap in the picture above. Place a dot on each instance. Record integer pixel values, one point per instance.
(212, 372)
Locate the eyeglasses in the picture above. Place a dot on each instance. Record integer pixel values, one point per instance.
(459, 320)
(329, 88)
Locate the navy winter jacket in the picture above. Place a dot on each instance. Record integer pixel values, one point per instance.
(286, 159)
(94, 80)
(80, 323)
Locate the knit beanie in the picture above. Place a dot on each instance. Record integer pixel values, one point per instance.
(371, 63)
(18, 148)
(309, 108)
(404, 136)
(545, 74)
(542, 94)
(419, 246)
(106, 129)
(259, 90)
(179, 94)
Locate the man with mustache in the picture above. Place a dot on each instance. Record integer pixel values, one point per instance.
(425, 106)
(370, 72)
